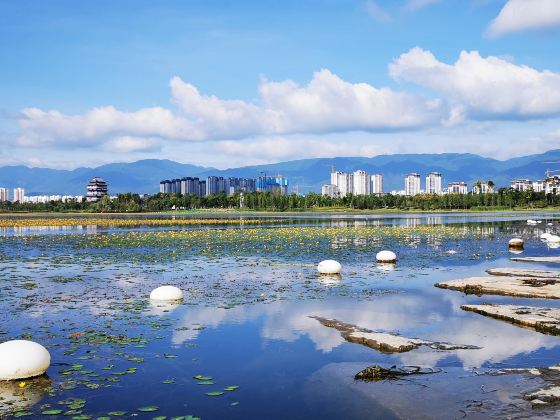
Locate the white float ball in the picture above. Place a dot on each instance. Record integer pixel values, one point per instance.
(545, 235)
(553, 239)
(21, 359)
(516, 243)
(166, 293)
(329, 267)
(386, 257)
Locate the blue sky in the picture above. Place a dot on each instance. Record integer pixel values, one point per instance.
(228, 83)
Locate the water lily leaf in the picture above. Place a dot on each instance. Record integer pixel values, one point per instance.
(117, 413)
(215, 393)
(148, 409)
(51, 412)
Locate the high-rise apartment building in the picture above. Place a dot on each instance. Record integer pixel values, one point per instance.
(19, 195)
(361, 183)
(457, 188)
(344, 182)
(412, 184)
(376, 184)
(3, 195)
(433, 183)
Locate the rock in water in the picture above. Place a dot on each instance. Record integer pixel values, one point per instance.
(516, 243)
(166, 293)
(386, 257)
(21, 359)
(329, 267)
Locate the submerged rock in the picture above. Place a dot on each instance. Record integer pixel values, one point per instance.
(507, 286)
(521, 272)
(382, 341)
(537, 259)
(544, 320)
(379, 373)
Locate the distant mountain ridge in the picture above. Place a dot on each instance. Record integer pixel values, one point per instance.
(144, 176)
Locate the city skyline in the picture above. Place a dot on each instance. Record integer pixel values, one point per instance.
(79, 90)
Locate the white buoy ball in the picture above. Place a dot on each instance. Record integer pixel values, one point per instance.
(516, 243)
(21, 359)
(386, 257)
(166, 293)
(329, 267)
(554, 239)
(545, 236)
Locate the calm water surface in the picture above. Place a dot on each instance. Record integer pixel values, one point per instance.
(250, 293)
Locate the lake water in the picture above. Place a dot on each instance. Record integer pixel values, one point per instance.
(245, 333)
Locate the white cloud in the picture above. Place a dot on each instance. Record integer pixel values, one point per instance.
(488, 87)
(519, 15)
(326, 104)
(99, 124)
(377, 12)
(127, 144)
(418, 4)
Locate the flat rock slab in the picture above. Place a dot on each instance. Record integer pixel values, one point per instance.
(506, 286)
(385, 342)
(549, 395)
(537, 259)
(544, 320)
(521, 272)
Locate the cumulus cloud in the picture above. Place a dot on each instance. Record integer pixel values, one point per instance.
(488, 87)
(519, 15)
(326, 104)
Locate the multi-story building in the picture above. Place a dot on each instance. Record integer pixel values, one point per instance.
(553, 185)
(433, 183)
(215, 185)
(3, 195)
(362, 183)
(483, 187)
(539, 186)
(329, 190)
(96, 189)
(344, 182)
(19, 195)
(521, 185)
(457, 188)
(190, 185)
(201, 188)
(165, 186)
(277, 184)
(376, 186)
(412, 184)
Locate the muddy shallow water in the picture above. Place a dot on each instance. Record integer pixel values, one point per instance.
(244, 344)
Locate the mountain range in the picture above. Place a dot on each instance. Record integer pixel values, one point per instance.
(304, 175)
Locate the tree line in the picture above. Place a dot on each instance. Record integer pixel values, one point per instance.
(504, 198)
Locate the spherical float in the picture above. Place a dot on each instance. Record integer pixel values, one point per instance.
(386, 257)
(516, 243)
(553, 239)
(166, 293)
(545, 236)
(329, 267)
(531, 222)
(21, 359)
